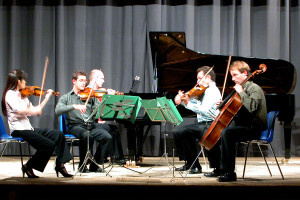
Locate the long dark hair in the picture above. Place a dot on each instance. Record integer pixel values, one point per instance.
(11, 84)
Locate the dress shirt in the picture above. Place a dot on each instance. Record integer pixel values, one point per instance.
(14, 104)
(205, 108)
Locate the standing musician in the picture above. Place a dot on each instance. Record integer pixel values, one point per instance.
(247, 124)
(77, 111)
(185, 137)
(96, 82)
(44, 140)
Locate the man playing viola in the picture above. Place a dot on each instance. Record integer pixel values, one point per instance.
(77, 112)
(247, 124)
(185, 137)
(116, 153)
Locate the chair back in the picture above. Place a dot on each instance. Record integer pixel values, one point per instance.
(267, 135)
(3, 133)
(62, 124)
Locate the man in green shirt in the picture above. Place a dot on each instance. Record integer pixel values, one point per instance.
(77, 115)
(247, 124)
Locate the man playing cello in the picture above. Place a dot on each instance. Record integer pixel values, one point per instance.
(247, 124)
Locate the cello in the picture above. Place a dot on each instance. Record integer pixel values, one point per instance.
(227, 113)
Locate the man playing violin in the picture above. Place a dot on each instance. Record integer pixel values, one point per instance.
(247, 124)
(77, 112)
(185, 137)
(116, 153)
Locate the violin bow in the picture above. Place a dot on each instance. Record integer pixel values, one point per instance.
(87, 100)
(228, 64)
(44, 77)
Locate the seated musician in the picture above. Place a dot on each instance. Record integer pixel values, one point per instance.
(17, 108)
(185, 137)
(77, 113)
(116, 154)
(247, 124)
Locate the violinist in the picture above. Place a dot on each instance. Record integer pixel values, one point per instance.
(44, 140)
(77, 111)
(116, 153)
(247, 124)
(185, 137)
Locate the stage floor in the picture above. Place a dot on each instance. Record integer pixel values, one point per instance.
(154, 177)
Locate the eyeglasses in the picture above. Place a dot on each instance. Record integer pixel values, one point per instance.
(82, 80)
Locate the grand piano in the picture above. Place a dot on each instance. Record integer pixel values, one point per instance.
(176, 68)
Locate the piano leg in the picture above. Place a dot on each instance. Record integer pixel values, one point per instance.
(287, 141)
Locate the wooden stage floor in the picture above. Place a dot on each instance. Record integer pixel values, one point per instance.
(153, 179)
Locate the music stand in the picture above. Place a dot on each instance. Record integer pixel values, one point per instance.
(88, 155)
(164, 110)
(118, 108)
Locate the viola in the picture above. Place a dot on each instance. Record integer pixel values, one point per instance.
(95, 93)
(34, 90)
(229, 110)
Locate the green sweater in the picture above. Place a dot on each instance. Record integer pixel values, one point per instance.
(74, 117)
(254, 101)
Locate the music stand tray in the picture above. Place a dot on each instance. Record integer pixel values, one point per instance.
(119, 107)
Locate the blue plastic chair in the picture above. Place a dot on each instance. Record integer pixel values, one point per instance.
(69, 137)
(266, 138)
(6, 139)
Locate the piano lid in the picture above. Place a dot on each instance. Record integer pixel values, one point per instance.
(177, 66)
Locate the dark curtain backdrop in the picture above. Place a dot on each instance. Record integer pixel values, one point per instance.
(113, 36)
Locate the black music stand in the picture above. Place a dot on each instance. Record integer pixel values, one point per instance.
(118, 108)
(164, 110)
(89, 155)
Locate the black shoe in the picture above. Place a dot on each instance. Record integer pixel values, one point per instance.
(183, 168)
(29, 172)
(96, 169)
(214, 173)
(63, 171)
(119, 161)
(195, 170)
(227, 177)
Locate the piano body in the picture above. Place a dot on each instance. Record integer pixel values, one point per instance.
(176, 68)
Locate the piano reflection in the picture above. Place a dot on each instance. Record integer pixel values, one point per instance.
(176, 66)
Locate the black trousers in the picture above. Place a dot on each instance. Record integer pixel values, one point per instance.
(45, 141)
(185, 141)
(229, 138)
(116, 150)
(98, 134)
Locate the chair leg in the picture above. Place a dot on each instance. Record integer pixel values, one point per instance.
(72, 153)
(20, 145)
(29, 150)
(264, 159)
(3, 149)
(276, 161)
(246, 159)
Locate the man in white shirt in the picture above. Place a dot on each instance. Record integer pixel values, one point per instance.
(205, 107)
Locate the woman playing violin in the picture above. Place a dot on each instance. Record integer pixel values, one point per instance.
(247, 124)
(185, 137)
(44, 140)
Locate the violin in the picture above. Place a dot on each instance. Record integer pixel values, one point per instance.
(95, 93)
(34, 90)
(196, 92)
